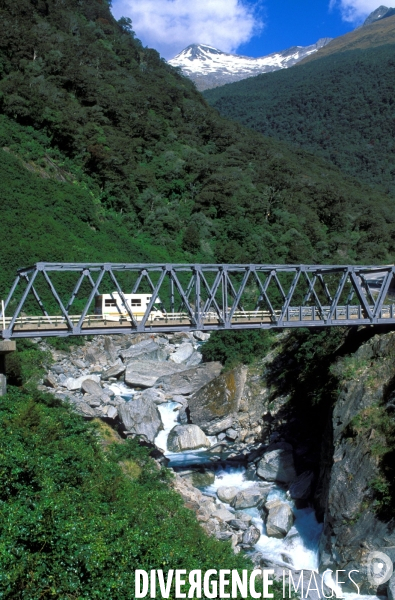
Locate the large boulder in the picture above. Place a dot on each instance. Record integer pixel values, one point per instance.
(280, 519)
(186, 437)
(300, 489)
(155, 395)
(249, 498)
(145, 373)
(74, 384)
(222, 514)
(182, 353)
(91, 387)
(144, 350)
(114, 371)
(186, 380)
(277, 465)
(141, 417)
(214, 406)
(194, 360)
(251, 536)
(226, 494)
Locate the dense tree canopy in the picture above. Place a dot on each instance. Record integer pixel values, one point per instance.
(340, 107)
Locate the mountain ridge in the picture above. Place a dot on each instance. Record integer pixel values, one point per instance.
(209, 67)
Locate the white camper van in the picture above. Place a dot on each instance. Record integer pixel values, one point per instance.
(112, 307)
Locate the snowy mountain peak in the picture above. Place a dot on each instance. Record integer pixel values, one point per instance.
(209, 67)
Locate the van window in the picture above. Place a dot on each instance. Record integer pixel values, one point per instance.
(136, 301)
(110, 302)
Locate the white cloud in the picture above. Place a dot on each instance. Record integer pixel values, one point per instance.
(171, 25)
(355, 11)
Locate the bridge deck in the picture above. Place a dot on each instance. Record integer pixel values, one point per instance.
(31, 326)
(196, 297)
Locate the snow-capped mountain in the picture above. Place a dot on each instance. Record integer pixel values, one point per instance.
(209, 67)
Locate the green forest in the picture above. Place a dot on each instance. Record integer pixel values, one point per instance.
(340, 107)
(111, 154)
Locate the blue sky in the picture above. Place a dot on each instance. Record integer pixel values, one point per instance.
(250, 27)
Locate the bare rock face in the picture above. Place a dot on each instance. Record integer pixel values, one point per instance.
(300, 489)
(141, 417)
(215, 405)
(277, 465)
(186, 437)
(145, 373)
(226, 494)
(185, 380)
(280, 519)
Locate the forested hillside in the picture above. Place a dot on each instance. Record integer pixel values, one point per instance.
(340, 107)
(110, 154)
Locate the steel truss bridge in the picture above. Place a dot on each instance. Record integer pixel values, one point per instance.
(59, 299)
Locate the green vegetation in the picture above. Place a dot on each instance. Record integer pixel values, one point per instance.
(73, 524)
(339, 107)
(377, 425)
(233, 347)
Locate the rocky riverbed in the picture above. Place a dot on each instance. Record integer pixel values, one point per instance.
(237, 464)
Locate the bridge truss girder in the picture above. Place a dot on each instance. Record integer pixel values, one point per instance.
(196, 297)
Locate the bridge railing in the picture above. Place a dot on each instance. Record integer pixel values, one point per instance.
(195, 297)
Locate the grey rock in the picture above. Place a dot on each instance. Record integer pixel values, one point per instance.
(50, 381)
(248, 498)
(280, 519)
(182, 353)
(300, 489)
(73, 384)
(58, 369)
(147, 373)
(194, 360)
(84, 409)
(214, 406)
(145, 350)
(238, 524)
(231, 433)
(80, 364)
(186, 381)
(222, 514)
(186, 437)
(91, 387)
(277, 465)
(221, 436)
(219, 425)
(243, 516)
(223, 535)
(141, 417)
(92, 400)
(155, 395)
(110, 412)
(391, 588)
(183, 416)
(251, 536)
(114, 371)
(227, 494)
(201, 336)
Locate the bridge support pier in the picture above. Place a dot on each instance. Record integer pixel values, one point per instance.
(6, 346)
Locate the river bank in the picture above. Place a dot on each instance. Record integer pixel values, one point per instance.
(230, 441)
